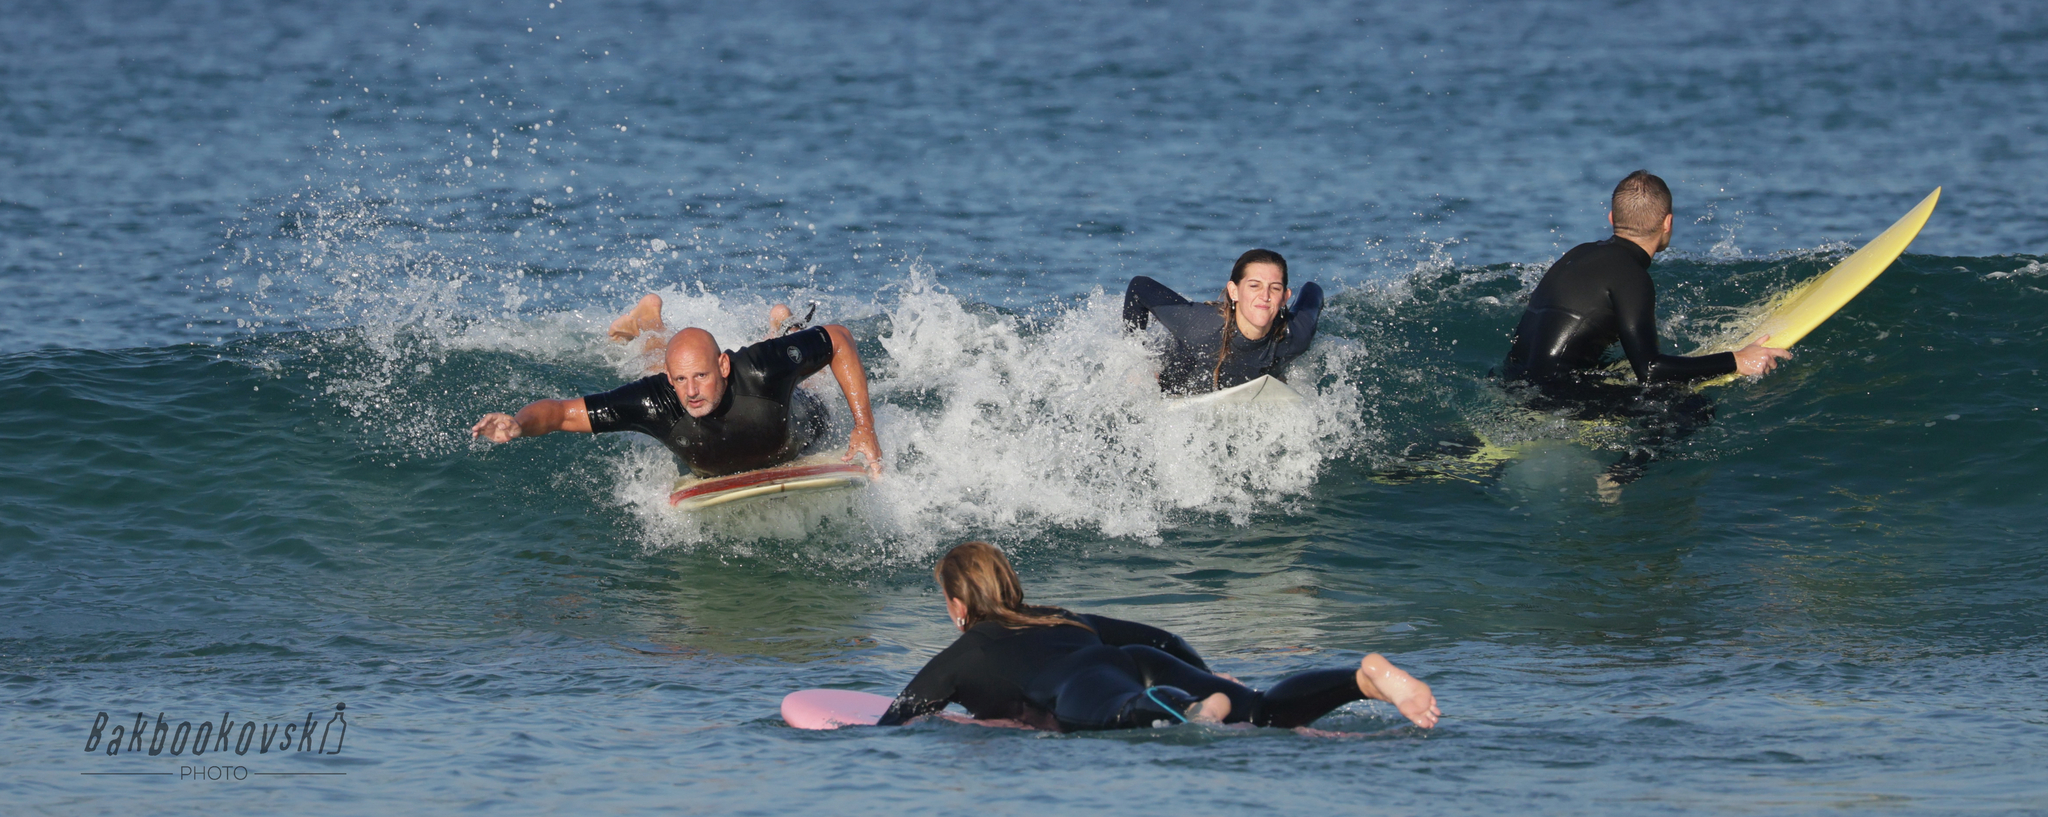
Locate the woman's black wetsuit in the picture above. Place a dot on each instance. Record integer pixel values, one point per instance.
(1197, 329)
(1070, 679)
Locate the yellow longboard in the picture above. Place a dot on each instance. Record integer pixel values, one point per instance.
(1792, 314)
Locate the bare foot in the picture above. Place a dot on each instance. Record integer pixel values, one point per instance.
(1380, 680)
(644, 317)
(777, 316)
(1212, 709)
(1607, 489)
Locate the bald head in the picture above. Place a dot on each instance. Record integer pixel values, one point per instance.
(697, 370)
(688, 344)
(1641, 204)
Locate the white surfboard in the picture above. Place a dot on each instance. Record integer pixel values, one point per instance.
(1262, 390)
(819, 472)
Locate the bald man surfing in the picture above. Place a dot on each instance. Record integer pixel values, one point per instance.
(1599, 294)
(718, 412)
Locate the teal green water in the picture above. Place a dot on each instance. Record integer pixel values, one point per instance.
(261, 265)
(1830, 598)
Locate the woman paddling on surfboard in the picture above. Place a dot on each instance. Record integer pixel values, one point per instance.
(1220, 344)
(1052, 669)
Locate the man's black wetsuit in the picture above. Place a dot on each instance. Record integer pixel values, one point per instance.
(1070, 679)
(762, 420)
(1197, 329)
(1597, 294)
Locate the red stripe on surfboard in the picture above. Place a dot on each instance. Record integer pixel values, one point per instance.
(765, 475)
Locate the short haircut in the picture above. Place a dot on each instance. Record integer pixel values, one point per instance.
(1641, 202)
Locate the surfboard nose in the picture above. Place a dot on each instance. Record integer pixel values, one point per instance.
(833, 708)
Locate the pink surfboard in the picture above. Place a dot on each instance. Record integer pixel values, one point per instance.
(834, 708)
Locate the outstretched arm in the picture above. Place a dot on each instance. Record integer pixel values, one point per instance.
(853, 382)
(539, 417)
(1634, 300)
(1141, 296)
(931, 690)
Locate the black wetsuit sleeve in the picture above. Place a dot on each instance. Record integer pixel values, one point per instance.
(647, 405)
(1141, 297)
(1301, 324)
(932, 689)
(784, 362)
(1634, 299)
(1117, 632)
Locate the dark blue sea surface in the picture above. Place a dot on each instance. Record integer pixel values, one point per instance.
(262, 264)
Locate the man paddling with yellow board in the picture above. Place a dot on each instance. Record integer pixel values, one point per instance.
(1600, 294)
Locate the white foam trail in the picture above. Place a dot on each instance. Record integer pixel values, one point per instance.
(995, 427)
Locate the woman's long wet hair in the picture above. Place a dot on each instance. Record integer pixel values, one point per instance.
(979, 575)
(1229, 307)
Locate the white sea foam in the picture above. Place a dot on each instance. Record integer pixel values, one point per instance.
(999, 426)
(2033, 269)
(993, 424)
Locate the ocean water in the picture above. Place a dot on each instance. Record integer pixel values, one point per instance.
(262, 264)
